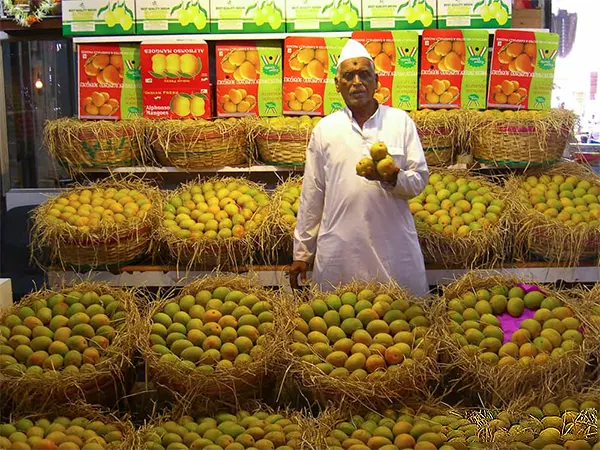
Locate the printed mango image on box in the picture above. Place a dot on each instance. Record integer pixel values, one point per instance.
(309, 75)
(249, 78)
(172, 16)
(474, 13)
(399, 15)
(175, 80)
(454, 69)
(98, 17)
(522, 74)
(323, 15)
(396, 57)
(247, 16)
(109, 81)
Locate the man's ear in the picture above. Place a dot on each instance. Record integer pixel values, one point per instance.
(337, 83)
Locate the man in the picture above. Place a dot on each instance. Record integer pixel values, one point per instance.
(351, 227)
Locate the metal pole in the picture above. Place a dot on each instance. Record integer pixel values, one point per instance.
(4, 157)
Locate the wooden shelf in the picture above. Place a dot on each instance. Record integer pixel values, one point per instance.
(48, 24)
(227, 169)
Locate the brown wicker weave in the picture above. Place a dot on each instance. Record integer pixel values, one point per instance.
(286, 147)
(520, 142)
(94, 144)
(438, 133)
(199, 145)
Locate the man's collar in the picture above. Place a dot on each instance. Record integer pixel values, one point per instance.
(351, 117)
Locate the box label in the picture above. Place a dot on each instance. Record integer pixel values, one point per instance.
(247, 16)
(309, 76)
(175, 81)
(109, 81)
(474, 13)
(399, 15)
(98, 17)
(172, 16)
(454, 68)
(319, 15)
(249, 79)
(396, 56)
(523, 66)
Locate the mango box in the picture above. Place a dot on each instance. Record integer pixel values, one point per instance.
(474, 13)
(309, 75)
(399, 15)
(247, 16)
(396, 56)
(172, 16)
(109, 81)
(175, 80)
(249, 80)
(454, 69)
(522, 74)
(98, 17)
(317, 15)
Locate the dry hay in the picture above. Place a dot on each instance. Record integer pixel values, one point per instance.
(588, 301)
(199, 386)
(199, 144)
(404, 380)
(281, 140)
(487, 247)
(104, 385)
(547, 238)
(520, 138)
(106, 245)
(128, 437)
(207, 252)
(440, 133)
(525, 413)
(279, 233)
(155, 427)
(81, 144)
(502, 384)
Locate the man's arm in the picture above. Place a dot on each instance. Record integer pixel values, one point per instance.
(413, 178)
(311, 202)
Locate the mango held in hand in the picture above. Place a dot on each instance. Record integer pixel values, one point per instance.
(387, 169)
(366, 168)
(380, 167)
(378, 151)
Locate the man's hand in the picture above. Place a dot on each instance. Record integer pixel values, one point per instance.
(297, 268)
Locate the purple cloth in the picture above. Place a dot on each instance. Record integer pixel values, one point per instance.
(510, 324)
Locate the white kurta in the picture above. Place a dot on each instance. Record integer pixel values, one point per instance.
(353, 228)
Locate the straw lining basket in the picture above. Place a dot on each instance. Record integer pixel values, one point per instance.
(79, 144)
(521, 139)
(281, 145)
(438, 133)
(199, 144)
(108, 246)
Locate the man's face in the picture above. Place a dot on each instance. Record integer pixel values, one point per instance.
(357, 82)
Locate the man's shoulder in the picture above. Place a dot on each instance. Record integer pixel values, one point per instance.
(328, 121)
(394, 113)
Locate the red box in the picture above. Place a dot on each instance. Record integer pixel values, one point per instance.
(175, 80)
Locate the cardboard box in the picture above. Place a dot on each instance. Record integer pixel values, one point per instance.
(528, 18)
(522, 74)
(98, 17)
(175, 83)
(309, 75)
(474, 13)
(172, 16)
(249, 80)
(403, 15)
(454, 69)
(109, 81)
(247, 16)
(319, 15)
(396, 56)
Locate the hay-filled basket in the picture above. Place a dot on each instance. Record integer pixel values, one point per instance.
(439, 133)
(199, 144)
(106, 344)
(84, 144)
(498, 344)
(222, 355)
(68, 233)
(522, 138)
(346, 361)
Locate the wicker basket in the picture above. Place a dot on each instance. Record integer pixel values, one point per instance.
(197, 145)
(283, 148)
(103, 144)
(517, 142)
(437, 133)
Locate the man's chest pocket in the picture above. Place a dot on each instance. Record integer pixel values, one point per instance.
(399, 155)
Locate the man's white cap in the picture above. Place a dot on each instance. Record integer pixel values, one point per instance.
(353, 49)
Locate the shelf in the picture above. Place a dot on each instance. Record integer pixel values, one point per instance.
(50, 23)
(227, 169)
(168, 276)
(229, 37)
